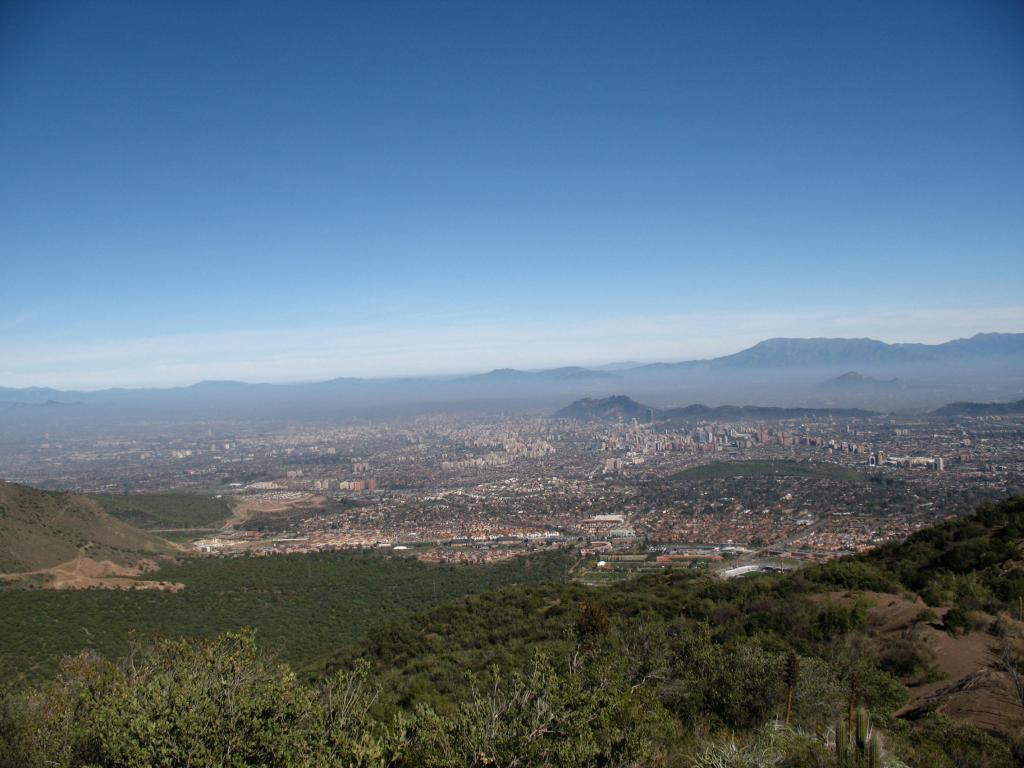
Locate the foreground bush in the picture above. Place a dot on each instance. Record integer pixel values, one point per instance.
(664, 695)
(182, 703)
(221, 704)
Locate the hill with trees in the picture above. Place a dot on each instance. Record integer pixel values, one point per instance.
(614, 408)
(171, 510)
(770, 468)
(862, 661)
(624, 408)
(980, 409)
(303, 607)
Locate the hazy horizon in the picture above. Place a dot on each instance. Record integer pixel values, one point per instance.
(415, 189)
(490, 382)
(428, 374)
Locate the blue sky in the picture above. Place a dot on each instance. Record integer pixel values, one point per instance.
(287, 191)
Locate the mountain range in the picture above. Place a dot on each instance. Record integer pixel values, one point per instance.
(623, 408)
(784, 372)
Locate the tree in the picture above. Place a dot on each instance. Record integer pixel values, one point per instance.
(592, 621)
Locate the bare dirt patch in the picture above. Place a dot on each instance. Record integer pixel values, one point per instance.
(86, 573)
(255, 507)
(972, 688)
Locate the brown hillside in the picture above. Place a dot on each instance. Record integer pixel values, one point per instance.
(41, 529)
(969, 685)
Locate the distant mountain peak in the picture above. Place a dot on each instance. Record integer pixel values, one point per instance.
(852, 381)
(614, 408)
(499, 374)
(565, 373)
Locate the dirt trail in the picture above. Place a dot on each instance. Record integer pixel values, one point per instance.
(84, 572)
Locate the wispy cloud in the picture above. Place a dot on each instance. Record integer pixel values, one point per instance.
(435, 344)
(20, 319)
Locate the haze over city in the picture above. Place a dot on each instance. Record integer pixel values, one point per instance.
(477, 384)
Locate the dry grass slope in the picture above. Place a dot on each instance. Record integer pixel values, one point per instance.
(42, 529)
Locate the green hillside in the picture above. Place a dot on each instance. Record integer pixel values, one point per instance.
(762, 468)
(175, 510)
(841, 664)
(40, 529)
(304, 607)
(970, 564)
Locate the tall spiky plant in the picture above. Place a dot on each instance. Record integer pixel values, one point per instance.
(862, 728)
(875, 753)
(842, 744)
(790, 676)
(859, 746)
(855, 692)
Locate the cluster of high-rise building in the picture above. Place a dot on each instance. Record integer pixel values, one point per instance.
(709, 438)
(358, 484)
(881, 459)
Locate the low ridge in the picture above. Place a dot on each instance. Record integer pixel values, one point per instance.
(42, 529)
